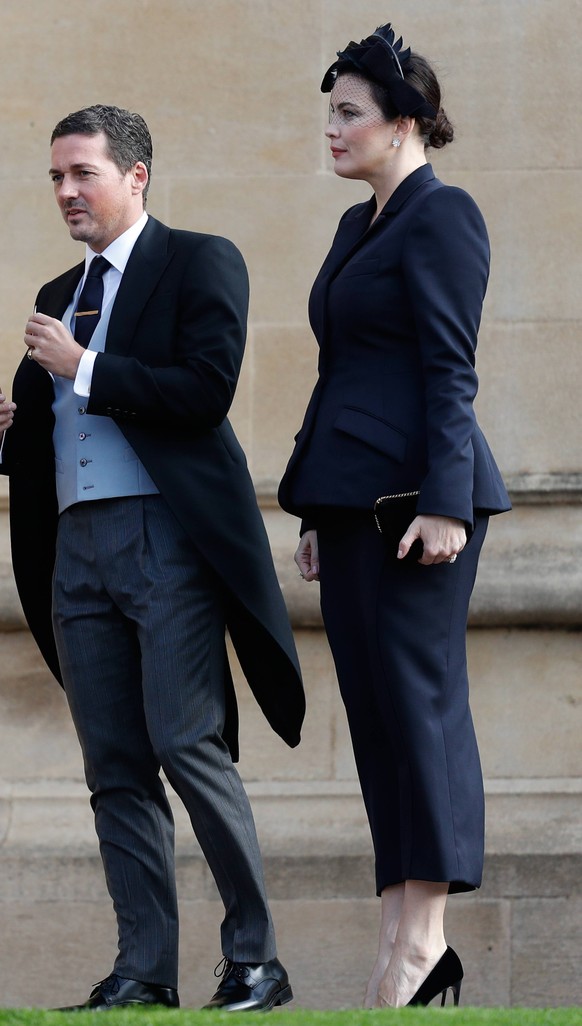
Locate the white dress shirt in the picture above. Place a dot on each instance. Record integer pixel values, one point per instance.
(117, 253)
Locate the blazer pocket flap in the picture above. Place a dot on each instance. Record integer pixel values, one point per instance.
(374, 431)
(352, 268)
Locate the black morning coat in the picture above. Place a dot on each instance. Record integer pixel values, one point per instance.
(167, 377)
(396, 310)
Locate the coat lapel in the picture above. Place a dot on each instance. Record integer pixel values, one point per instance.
(149, 258)
(54, 298)
(355, 231)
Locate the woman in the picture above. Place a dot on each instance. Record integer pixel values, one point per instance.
(396, 310)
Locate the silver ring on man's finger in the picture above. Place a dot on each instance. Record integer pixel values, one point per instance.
(452, 559)
(29, 352)
(302, 576)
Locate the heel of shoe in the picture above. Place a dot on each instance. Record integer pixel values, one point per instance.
(440, 979)
(456, 989)
(285, 995)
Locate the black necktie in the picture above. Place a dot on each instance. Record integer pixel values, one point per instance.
(90, 302)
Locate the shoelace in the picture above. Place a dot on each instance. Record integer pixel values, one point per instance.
(110, 985)
(226, 966)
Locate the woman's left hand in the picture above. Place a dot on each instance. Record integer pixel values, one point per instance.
(443, 538)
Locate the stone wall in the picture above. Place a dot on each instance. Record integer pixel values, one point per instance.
(230, 89)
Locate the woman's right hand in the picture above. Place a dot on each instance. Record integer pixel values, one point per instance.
(307, 556)
(6, 412)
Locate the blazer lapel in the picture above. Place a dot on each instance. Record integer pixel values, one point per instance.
(356, 230)
(54, 298)
(149, 258)
(352, 231)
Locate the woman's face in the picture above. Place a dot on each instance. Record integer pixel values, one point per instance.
(359, 134)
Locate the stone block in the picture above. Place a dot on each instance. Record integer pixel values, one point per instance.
(491, 100)
(60, 878)
(225, 88)
(530, 377)
(546, 941)
(327, 946)
(263, 755)
(536, 817)
(25, 267)
(37, 738)
(343, 933)
(283, 226)
(529, 573)
(51, 956)
(534, 267)
(285, 371)
(527, 702)
(480, 932)
(545, 876)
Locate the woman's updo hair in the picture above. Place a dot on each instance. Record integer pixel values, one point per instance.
(435, 132)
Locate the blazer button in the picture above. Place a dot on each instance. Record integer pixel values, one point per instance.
(81, 410)
(82, 436)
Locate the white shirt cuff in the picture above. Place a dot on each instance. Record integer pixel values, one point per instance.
(82, 382)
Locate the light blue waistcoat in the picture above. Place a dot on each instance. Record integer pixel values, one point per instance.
(93, 459)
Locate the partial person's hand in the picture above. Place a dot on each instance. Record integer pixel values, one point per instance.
(51, 344)
(307, 556)
(443, 538)
(6, 412)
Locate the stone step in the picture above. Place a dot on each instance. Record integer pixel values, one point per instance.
(58, 934)
(516, 951)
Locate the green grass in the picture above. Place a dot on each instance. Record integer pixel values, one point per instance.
(402, 1017)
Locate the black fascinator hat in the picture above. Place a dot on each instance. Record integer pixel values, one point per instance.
(380, 58)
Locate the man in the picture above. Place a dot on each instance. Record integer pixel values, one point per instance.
(130, 490)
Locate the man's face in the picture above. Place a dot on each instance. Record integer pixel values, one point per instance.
(97, 201)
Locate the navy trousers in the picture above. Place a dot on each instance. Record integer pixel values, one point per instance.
(139, 624)
(397, 631)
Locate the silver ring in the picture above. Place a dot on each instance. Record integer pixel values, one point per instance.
(302, 576)
(452, 559)
(29, 352)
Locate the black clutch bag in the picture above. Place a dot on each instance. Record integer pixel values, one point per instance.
(394, 515)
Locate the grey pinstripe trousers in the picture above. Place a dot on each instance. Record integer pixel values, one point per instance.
(139, 623)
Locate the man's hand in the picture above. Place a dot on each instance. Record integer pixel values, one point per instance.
(6, 413)
(307, 556)
(51, 345)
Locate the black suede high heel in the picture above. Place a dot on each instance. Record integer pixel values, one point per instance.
(446, 975)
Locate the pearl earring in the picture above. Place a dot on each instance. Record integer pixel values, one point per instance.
(396, 142)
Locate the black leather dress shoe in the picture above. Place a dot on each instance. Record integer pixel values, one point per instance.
(116, 991)
(248, 987)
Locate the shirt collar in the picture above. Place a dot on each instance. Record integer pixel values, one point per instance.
(118, 252)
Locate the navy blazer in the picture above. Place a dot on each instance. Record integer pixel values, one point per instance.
(174, 347)
(396, 309)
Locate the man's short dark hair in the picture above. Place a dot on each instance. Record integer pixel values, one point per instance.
(128, 136)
